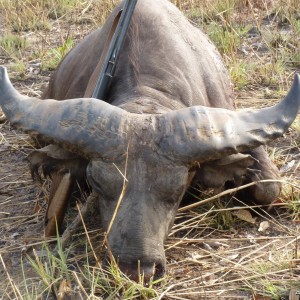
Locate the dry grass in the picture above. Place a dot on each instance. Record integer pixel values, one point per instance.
(212, 253)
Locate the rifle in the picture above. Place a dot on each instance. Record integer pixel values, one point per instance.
(110, 53)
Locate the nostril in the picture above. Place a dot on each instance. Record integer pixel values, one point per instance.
(159, 271)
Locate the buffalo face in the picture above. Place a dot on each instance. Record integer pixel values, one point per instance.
(149, 189)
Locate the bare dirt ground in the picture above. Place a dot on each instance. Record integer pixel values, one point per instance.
(215, 251)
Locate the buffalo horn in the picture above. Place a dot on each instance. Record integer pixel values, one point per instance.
(89, 126)
(95, 128)
(203, 133)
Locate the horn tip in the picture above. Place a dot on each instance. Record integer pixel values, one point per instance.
(297, 78)
(296, 83)
(294, 92)
(3, 73)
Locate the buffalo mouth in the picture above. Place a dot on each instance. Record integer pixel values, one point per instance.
(138, 270)
(143, 271)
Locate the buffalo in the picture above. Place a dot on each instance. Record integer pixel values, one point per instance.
(168, 122)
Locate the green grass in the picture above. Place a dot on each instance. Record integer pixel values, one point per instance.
(81, 275)
(24, 15)
(62, 272)
(54, 56)
(19, 67)
(60, 8)
(227, 39)
(11, 44)
(240, 72)
(36, 15)
(14, 47)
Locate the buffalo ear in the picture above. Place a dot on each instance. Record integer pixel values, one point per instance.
(233, 168)
(53, 158)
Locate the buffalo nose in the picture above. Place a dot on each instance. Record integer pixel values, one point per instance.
(137, 270)
(146, 271)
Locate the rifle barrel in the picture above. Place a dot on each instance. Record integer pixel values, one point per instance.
(113, 53)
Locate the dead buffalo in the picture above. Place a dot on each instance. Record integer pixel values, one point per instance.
(169, 120)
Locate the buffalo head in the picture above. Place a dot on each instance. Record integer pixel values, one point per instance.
(148, 159)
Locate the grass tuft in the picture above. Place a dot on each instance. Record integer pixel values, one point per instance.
(54, 56)
(11, 45)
